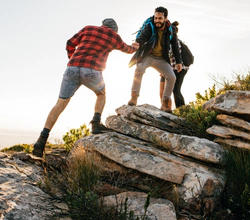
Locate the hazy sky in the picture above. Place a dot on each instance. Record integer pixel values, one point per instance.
(33, 56)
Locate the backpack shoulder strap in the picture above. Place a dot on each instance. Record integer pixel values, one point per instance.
(171, 32)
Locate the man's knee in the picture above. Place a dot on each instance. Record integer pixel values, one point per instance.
(102, 92)
(172, 78)
(62, 102)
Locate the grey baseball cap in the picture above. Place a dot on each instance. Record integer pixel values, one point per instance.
(110, 22)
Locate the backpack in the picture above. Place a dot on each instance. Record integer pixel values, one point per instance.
(145, 23)
(187, 56)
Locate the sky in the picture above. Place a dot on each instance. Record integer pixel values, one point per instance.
(33, 56)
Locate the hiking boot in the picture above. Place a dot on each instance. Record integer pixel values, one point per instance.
(166, 105)
(99, 128)
(38, 149)
(133, 100)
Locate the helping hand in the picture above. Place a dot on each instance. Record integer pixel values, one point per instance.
(135, 45)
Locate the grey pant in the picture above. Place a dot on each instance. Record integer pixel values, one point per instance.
(162, 67)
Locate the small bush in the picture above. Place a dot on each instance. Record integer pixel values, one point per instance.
(197, 120)
(239, 81)
(237, 193)
(73, 135)
(18, 148)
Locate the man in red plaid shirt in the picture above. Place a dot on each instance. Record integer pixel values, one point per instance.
(88, 51)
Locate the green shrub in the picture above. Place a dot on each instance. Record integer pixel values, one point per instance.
(197, 120)
(209, 94)
(237, 194)
(80, 184)
(73, 135)
(239, 81)
(18, 148)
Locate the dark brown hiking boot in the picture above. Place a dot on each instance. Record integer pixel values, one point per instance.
(99, 128)
(38, 149)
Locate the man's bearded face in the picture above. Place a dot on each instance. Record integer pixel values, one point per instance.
(159, 20)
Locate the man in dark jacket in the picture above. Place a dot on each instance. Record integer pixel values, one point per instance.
(156, 54)
(88, 51)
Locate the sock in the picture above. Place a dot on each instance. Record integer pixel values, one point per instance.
(97, 117)
(44, 136)
(45, 132)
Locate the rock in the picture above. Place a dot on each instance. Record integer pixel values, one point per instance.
(160, 209)
(226, 132)
(234, 132)
(143, 157)
(135, 154)
(234, 103)
(152, 116)
(20, 197)
(231, 121)
(189, 146)
(233, 143)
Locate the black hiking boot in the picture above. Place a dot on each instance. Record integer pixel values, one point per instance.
(38, 149)
(99, 128)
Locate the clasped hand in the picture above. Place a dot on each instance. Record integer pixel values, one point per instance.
(135, 45)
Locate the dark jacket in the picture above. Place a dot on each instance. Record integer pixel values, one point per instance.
(146, 48)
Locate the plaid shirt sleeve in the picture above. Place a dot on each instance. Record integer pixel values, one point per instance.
(172, 58)
(91, 46)
(72, 43)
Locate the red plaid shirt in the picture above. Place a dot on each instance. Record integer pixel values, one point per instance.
(91, 46)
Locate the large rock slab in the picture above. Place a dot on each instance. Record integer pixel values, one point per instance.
(235, 103)
(225, 132)
(233, 143)
(136, 154)
(232, 121)
(189, 146)
(191, 178)
(152, 116)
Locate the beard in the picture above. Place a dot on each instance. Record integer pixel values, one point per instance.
(160, 25)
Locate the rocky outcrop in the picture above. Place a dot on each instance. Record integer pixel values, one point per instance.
(21, 197)
(150, 151)
(193, 167)
(234, 116)
(234, 103)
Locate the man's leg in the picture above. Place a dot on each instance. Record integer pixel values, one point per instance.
(97, 126)
(178, 97)
(55, 112)
(51, 120)
(70, 83)
(167, 72)
(100, 101)
(162, 85)
(136, 86)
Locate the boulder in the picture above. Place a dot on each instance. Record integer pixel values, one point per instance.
(160, 209)
(234, 103)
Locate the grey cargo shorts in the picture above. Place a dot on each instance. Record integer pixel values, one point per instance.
(74, 77)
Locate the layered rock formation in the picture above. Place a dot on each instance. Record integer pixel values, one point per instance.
(193, 167)
(234, 115)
